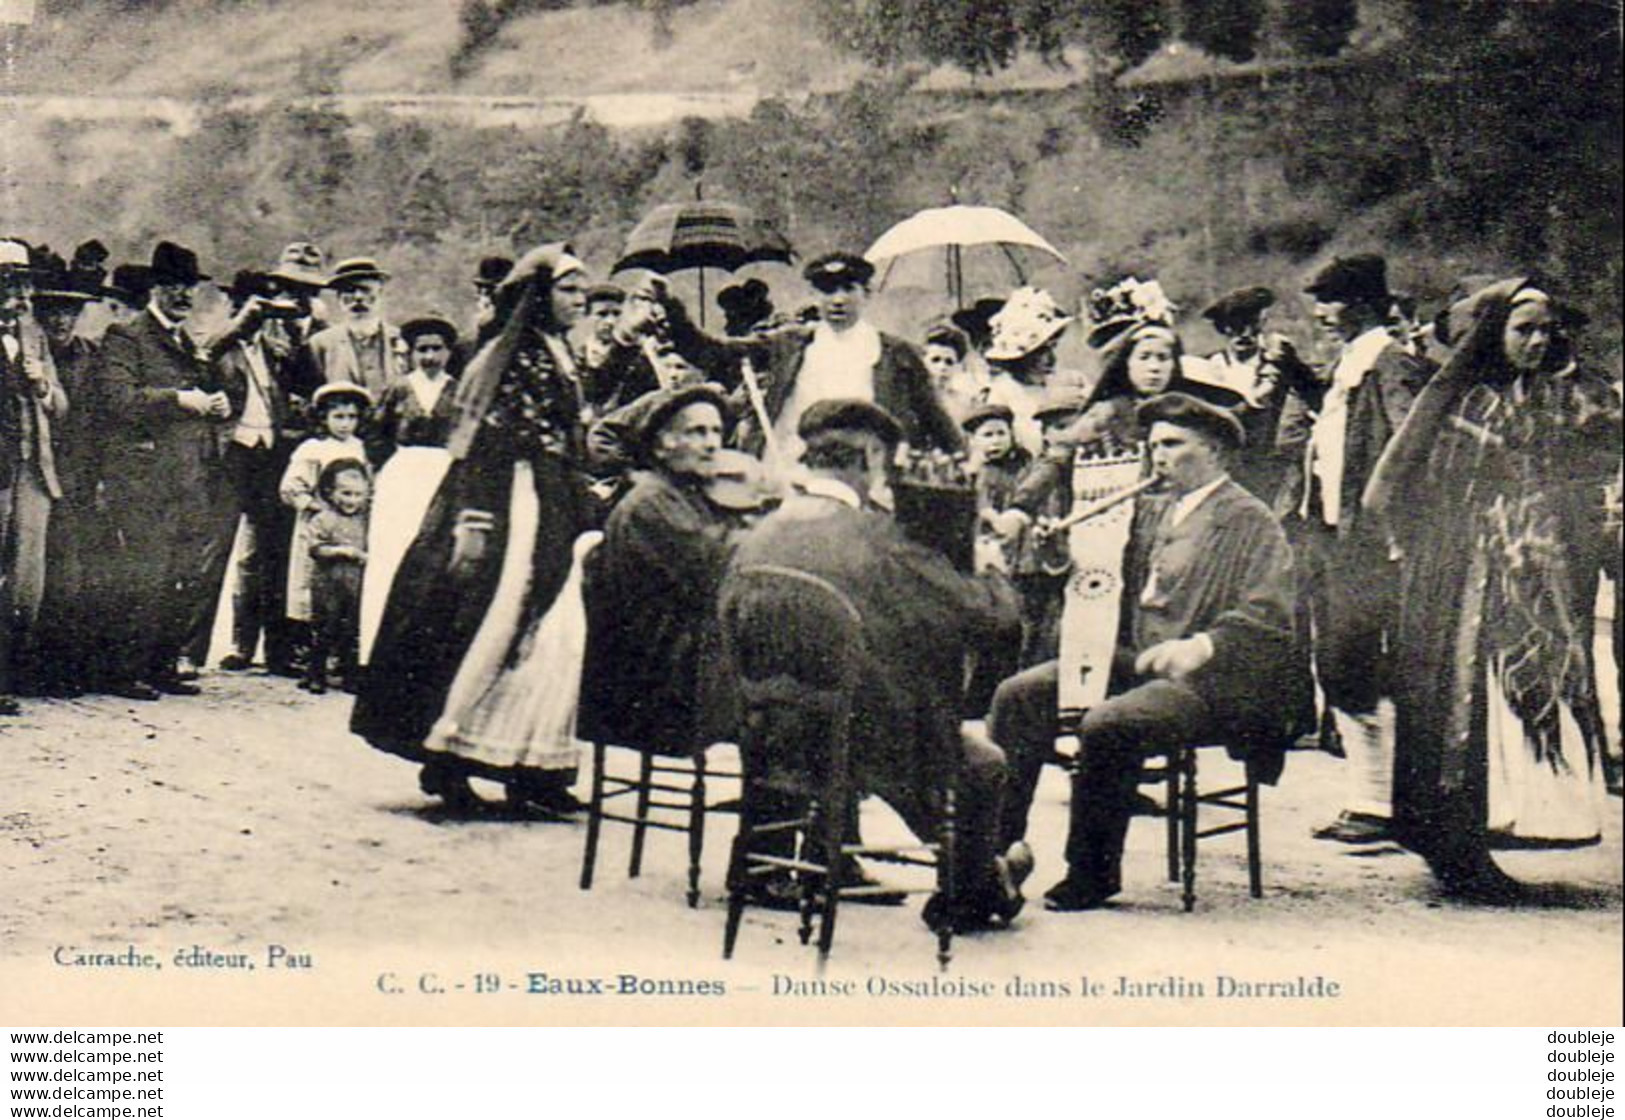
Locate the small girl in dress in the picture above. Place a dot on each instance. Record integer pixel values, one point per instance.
(339, 407)
(338, 553)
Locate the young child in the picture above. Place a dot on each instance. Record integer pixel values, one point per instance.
(338, 553)
(339, 407)
(996, 459)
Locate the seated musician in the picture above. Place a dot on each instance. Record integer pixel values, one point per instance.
(1206, 650)
(651, 591)
(921, 617)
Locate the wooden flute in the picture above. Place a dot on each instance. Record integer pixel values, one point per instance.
(1101, 505)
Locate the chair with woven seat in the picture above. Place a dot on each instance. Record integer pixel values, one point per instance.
(794, 643)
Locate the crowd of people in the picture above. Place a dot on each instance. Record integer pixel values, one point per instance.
(509, 539)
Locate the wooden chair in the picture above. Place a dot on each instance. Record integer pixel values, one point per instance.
(1183, 800)
(794, 642)
(1181, 807)
(661, 802)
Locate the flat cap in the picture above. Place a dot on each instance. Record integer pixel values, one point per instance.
(848, 415)
(1360, 278)
(982, 413)
(1185, 411)
(1239, 307)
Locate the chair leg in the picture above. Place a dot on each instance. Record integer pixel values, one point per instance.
(831, 826)
(595, 818)
(1189, 814)
(641, 828)
(737, 882)
(696, 829)
(805, 879)
(1255, 858)
(947, 877)
(1171, 809)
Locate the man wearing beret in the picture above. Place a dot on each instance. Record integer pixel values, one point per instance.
(921, 617)
(652, 599)
(842, 356)
(1209, 650)
(1353, 585)
(162, 469)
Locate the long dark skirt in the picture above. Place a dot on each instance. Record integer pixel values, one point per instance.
(432, 617)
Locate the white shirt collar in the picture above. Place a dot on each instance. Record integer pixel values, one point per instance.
(163, 320)
(821, 486)
(1187, 504)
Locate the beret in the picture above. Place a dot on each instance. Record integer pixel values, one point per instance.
(1185, 411)
(848, 415)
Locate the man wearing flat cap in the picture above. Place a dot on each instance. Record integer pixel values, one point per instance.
(361, 349)
(920, 619)
(1209, 651)
(651, 635)
(842, 356)
(1352, 583)
(162, 467)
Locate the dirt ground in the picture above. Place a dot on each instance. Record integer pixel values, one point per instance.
(249, 816)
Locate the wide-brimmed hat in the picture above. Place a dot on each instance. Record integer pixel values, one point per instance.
(492, 271)
(824, 417)
(975, 320)
(1029, 319)
(335, 391)
(744, 305)
(53, 280)
(413, 329)
(301, 265)
(1127, 303)
(1239, 308)
(14, 257)
(175, 264)
(834, 271)
(1362, 278)
(356, 270)
(1187, 411)
(982, 413)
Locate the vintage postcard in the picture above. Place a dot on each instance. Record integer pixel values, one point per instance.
(404, 402)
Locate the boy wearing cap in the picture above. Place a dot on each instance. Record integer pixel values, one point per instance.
(1353, 585)
(842, 356)
(1210, 651)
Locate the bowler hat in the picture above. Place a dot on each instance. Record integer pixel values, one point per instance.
(1362, 278)
(1186, 411)
(492, 271)
(848, 415)
(301, 265)
(1239, 308)
(130, 284)
(982, 413)
(175, 264)
(834, 271)
(356, 270)
(744, 305)
(414, 329)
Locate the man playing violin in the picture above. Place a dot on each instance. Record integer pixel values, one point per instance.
(1206, 651)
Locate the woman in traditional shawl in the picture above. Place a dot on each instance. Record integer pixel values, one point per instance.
(477, 660)
(1492, 493)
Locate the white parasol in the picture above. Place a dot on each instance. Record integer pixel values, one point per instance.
(954, 229)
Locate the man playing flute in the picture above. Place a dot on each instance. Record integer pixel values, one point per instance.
(1206, 650)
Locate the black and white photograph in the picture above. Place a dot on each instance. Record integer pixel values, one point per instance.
(811, 512)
